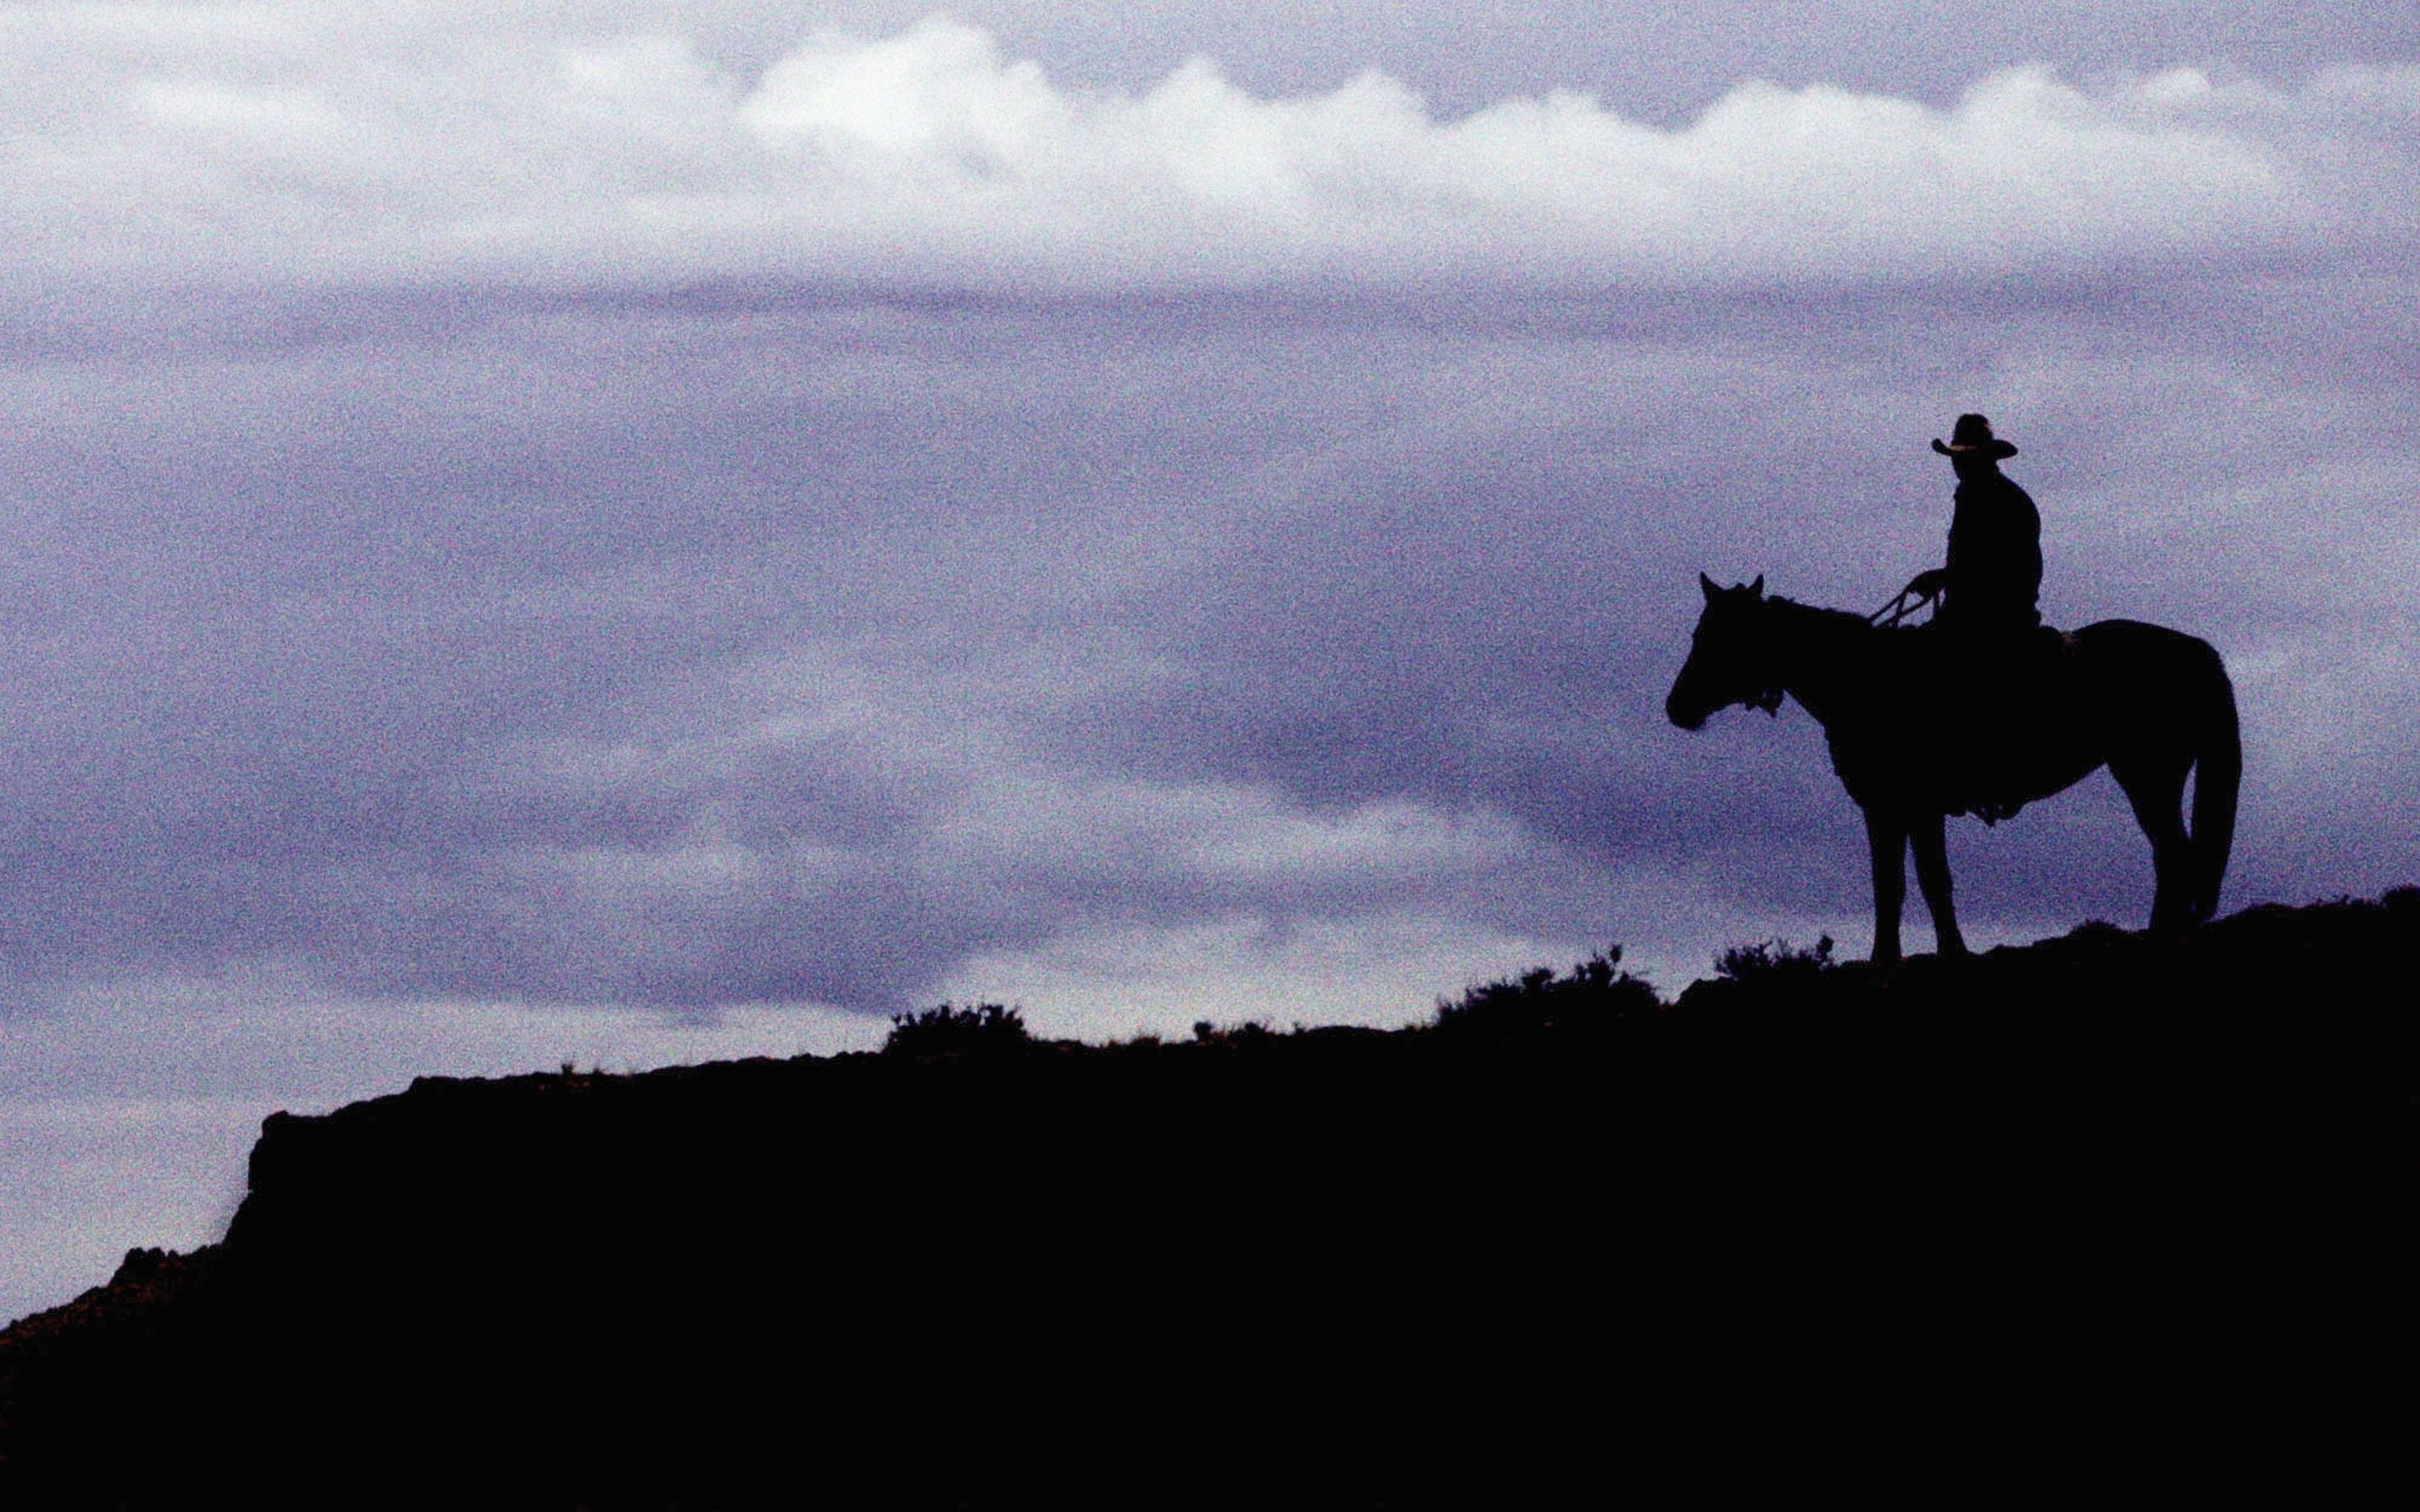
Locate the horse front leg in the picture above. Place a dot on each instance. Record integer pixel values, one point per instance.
(1886, 841)
(1932, 877)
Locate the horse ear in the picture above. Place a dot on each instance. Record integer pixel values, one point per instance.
(1708, 584)
(1758, 587)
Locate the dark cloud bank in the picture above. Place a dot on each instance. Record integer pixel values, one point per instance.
(770, 653)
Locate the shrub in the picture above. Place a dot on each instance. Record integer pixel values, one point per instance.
(986, 1028)
(1774, 959)
(1251, 1032)
(1591, 995)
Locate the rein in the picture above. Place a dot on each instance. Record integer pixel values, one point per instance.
(1770, 700)
(1906, 603)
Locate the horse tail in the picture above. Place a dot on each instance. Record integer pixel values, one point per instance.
(2218, 773)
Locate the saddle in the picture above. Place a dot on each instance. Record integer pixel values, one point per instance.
(1994, 694)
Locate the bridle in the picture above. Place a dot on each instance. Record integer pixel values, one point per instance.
(1770, 700)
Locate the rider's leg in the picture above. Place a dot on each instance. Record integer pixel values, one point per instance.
(1932, 876)
(1886, 841)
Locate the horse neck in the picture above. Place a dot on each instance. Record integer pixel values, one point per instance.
(1818, 654)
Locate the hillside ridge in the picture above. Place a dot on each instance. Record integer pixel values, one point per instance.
(574, 1282)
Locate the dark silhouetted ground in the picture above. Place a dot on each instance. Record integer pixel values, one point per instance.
(1810, 1221)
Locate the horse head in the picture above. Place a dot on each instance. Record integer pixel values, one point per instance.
(1728, 658)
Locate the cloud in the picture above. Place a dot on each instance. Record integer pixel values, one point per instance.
(215, 152)
(852, 846)
(127, 1106)
(86, 1179)
(640, 510)
(693, 655)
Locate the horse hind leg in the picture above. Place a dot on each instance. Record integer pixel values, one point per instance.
(2218, 773)
(2157, 793)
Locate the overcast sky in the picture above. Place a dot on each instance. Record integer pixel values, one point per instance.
(635, 532)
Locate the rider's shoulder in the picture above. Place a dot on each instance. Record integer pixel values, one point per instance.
(1998, 487)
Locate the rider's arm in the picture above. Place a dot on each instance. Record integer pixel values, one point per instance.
(1927, 584)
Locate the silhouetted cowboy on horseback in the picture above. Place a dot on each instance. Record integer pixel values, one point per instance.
(1992, 577)
(1987, 673)
(1984, 710)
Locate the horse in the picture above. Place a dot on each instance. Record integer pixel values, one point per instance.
(1921, 727)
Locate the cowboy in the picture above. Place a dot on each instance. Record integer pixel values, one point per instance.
(1988, 592)
(1992, 577)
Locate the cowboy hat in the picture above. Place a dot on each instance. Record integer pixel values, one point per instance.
(1971, 436)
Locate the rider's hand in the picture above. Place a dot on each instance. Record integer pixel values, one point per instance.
(1929, 584)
